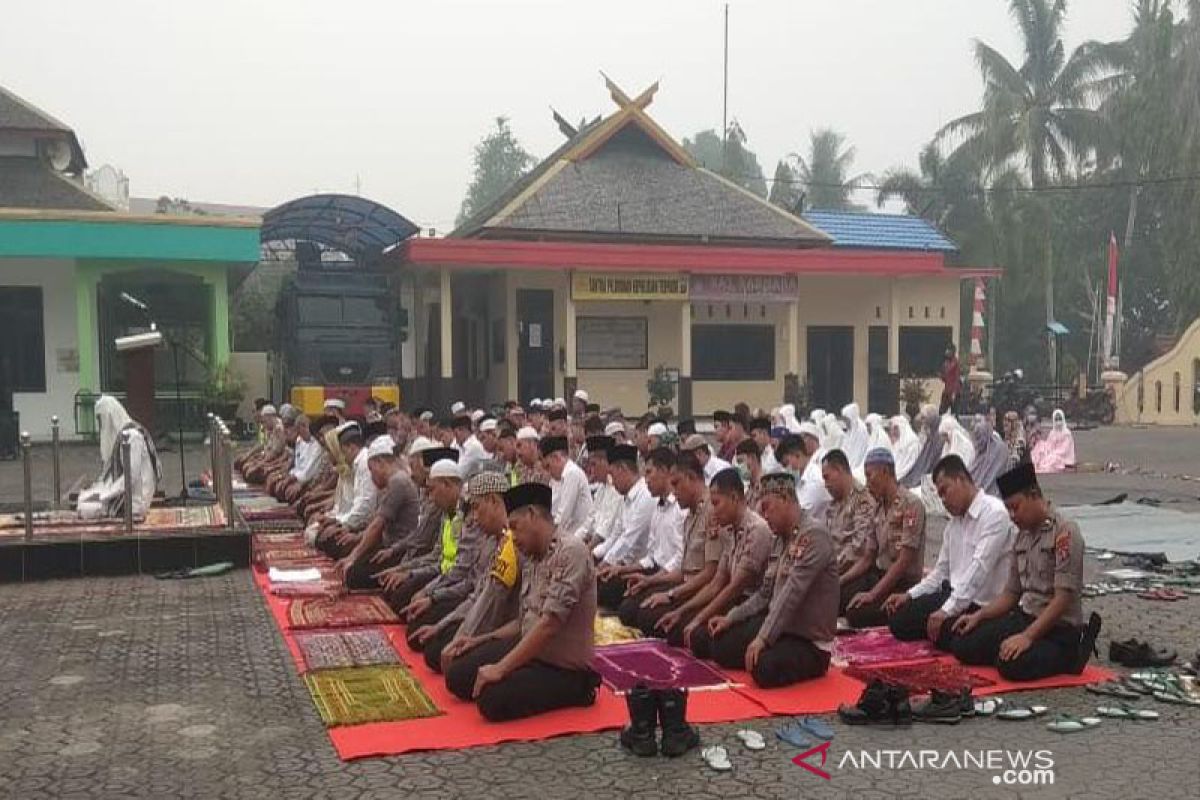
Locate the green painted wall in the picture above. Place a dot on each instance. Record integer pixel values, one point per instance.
(133, 240)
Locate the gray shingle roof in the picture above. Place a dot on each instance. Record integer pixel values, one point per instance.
(18, 114)
(28, 183)
(631, 189)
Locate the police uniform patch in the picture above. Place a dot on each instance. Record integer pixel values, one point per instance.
(799, 545)
(1062, 548)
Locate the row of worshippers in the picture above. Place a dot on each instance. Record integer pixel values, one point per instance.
(682, 559)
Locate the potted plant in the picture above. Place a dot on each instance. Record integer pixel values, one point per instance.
(223, 392)
(913, 394)
(661, 388)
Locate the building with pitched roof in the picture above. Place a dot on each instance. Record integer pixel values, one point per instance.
(66, 259)
(619, 254)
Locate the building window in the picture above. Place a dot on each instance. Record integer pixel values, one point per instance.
(1158, 396)
(1178, 391)
(922, 350)
(611, 343)
(23, 346)
(733, 352)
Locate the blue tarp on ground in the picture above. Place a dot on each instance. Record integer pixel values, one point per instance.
(1134, 528)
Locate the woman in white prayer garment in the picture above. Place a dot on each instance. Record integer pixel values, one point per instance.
(787, 418)
(857, 439)
(906, 446)
(831, 432)
(106, 497)
(878, 432)
(956, 441)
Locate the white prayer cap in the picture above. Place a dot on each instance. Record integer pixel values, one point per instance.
(445, 469)
(268, 410)
(458, 407)
(421, 444)
(613, 428)
(535, 403)
(580, 394)
(527, 433)
(346, 426)
(382, 446)
(477, 415)
(487, 425)
(426, 415)
(559, 403)
(817, 415)
(657, 429)
(336, 402)
(809, 429)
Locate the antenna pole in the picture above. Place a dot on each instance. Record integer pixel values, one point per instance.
(725, 98)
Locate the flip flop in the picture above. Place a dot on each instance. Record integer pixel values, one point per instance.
(1068, 723)
(1113, 689)
(987, 706)
(1020, 713)
(717, 757)
(1176, 697)
(1124, 711)
(816, 727)
(752, 739)
(794, 734)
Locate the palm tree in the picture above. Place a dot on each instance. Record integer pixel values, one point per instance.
(1036, 114)
(825, 173)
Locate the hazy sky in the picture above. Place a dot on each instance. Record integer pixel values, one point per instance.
(261, 101)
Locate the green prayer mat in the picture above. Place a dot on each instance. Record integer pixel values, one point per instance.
(356, 695)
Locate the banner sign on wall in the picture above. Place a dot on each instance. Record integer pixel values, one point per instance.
(628, 286)
(744, 288)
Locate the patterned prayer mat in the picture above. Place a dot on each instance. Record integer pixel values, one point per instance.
(923, 677)
(368, 694)
(609, 630)
(210, 516)
(656, 664)
(877, 646)
(60, 524)
(339, 612)
(274, 555)
(321, 588)
(359, 647)
(278, 540)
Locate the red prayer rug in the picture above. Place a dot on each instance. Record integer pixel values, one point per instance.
(922, 677)
(656, 664)
(339, 612)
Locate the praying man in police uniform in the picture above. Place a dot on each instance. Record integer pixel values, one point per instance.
(783, 633)
(1034, 629)
(541, 660)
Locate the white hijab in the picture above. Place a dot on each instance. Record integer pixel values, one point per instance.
(878, 434)
(857, 438)
(831, 432)
(960, 443)
(906, 447)
(787, 415)
(112, 418)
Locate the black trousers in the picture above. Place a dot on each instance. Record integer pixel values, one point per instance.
(910, 623)
(435, 646)
(611, 593)
(327, 544)
(1053, 654)
(872, 615)
(402, 595)
(647, 618)
(789, 660)
(629, 610)
(361, 574)
(432, 616)
(535, 688)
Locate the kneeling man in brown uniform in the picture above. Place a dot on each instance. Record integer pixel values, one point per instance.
(541, 660)
(783, 633)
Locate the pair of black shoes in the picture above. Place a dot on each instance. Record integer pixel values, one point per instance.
(881, 705)
(947, 708)
(649, 708)
(1135, 653)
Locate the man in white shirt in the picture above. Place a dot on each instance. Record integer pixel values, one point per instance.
(606, 500)
(972, 565)
(572, 501)
(631, 536)
(760, 432)
(665, 553)
(800, 454)
(469, 447)
(711, 464)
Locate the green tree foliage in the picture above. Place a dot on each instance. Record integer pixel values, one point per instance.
(499, 162)
(823, 174)
(734, 160)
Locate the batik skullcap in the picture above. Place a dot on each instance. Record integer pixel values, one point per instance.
(487, 425)
(426, 415)
(478, 414)
(268, 411)
(657, 429)
(336, 402)
(488, 482)
(560, 403)
(613, 428)
(445, 469)
(580, 394)
(879, 455)
(781, 483)
(527, 434)
(457, 407)
(1019, 479)
(382, 446)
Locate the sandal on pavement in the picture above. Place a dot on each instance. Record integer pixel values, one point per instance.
(794, 734)
(752, 739)
(717, 757)
(1123, 711)
(1176, 697)
(1068, 723)
(1113, 689)
(816, 727)
(987, 706)
(1021, 712)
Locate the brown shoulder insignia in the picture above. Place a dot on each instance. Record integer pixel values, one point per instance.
(1062, 548)
(799, 545)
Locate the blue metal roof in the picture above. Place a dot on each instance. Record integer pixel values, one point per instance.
(880, 231)
(353, 225)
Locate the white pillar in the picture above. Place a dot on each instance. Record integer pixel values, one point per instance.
(893, 330)
(569, 338)
(793, 336)
(446, 306)
(685, 340)
(512, 334)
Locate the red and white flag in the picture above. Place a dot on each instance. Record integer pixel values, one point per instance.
(1110, 313)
